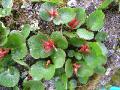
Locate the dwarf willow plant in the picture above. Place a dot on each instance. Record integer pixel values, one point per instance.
(74, 54)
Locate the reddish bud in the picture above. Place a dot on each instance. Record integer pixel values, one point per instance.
(84, 49)
(3, 52)
(75, 68)
(73, 23)
(29, 78)
(48, 45)
(47, 63)
(53, 13)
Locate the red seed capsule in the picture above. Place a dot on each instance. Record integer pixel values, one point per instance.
(73, 23)
(53, 13)
(84, 49)
(48, 45)
(75, 68)
(3, 52)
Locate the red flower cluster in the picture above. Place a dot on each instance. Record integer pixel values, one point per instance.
(3, 52)
(84, 49)
(53, 13)
(75, 68)
(48, 45)
(74, 23)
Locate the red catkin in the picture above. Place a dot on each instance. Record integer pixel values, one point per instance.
(48, 45)
(73, 23)
(84, 49)
(3, 52)
(75, 68)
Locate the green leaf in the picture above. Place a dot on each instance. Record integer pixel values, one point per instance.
(19, 53)
(65, 15)
(36, 46)
(45, 7)
(105, 4)
(92, 61)
(69, 68)
(5, 12)
(7, 3)
(60, 40)
(85, 71)
(100, 70)
(71, 53)
(81, 15)
(39, 71)
(54, 1)
(69, 34)
(78, 55)
(26, 30)
(77, 42)
(58, 58)
(83, 80)
(9, 78)
(98, 48)
(3, 34)
(95, 21)
(21, 62)
(72, 84)
(84, 34)
(33, 85)
(64, 80)
(16, 88)
(101, 36)
(59, 85)
(17, 44)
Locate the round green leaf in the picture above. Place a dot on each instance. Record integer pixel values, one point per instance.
(105, 4)
(9, 78)
(54, 1)
(76, 41)
(98, 48)
(95, 21)
(3, 34)
(101, 36)
(100, 70)
(7, 3)
(83, 80)
(69, 34)
(39, 71)
(64, 80)
(59, 85)
(5, 12)
(92, 61)
(78, 55)
(71, 53)
(36, 46)
(84, 34)
(72, 84)
(16, 42)
(69, 68)
(45, 7)
(60, 40)
(65, 15)
(26, 30)
(33, 85)
(58, 58)
(85, 71)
